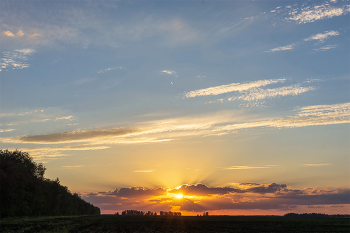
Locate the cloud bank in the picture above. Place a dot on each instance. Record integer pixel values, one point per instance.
(200, 197)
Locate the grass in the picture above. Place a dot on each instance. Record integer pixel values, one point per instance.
(112, 223)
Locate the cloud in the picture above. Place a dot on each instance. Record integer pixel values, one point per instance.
(200, 197)
(322, 36)
(34, 116)
(177, 128)
(64, 118)
(167, 72)
(315, 164)
(15, 59)
(257, 94)
(144, 171)
(325, 110)
(44, 153)
(89, 27)
(310, 14)
(74, 166)
(203, 190)
(109, 69)
(325, 48)
(19, 114)
(8, 33)
(136, 192)
(20, 33)
(73, 136)
(248, 167)
(254, 95)
(271, 188)
(64, 148)
(307, 116)
(282, 48)
(217, 90)
(6, 130)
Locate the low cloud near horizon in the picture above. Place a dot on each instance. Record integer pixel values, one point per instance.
(200, 197)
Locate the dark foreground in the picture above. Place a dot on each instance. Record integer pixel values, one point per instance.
(112, 223)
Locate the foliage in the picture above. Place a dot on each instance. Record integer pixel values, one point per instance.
(25, 192)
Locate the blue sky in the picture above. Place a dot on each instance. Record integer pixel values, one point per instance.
(147, 94)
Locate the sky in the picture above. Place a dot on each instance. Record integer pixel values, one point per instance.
(226, 107)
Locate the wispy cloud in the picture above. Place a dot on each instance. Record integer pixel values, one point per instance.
(325, 48)
(20, 113)
(217, 90)
(177, 128)
(109, 69)
(167, 72)
(73, 136)
(34, 116)
(15, 59)
(76, 29)
(322, 36)
(310, 14)
(308, 116)
(325, 110)
(258, 93)
(316, 164)
(44, 153)
(6, 130)
(282, 48)
(248, 167)
(74, 166)
(254, 95)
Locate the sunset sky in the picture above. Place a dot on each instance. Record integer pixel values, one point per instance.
(230, 107)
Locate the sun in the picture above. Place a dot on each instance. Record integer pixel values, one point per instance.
(179, 196)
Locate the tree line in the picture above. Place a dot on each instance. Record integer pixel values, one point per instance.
(24, 191)
(149, 213)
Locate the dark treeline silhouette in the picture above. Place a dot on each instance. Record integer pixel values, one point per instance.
(149, 213)
(316, 215)
(169, 213)
(204, 214)
(25, 192)
(132, 212)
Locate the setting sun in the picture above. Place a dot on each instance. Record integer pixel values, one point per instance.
(179, 196)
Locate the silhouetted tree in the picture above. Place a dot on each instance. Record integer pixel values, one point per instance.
(25, 192)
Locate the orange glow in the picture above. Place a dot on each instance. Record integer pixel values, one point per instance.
(179, 196)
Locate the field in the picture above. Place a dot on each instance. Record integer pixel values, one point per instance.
(113, 223)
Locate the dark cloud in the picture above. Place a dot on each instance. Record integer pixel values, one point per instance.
(83, 135)
(340, 197)
(137, 192)
(279, 198)
(203, 190)
(251, 184)
(271, 188)
(279, 202)
(291, 192)
(189, 205)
